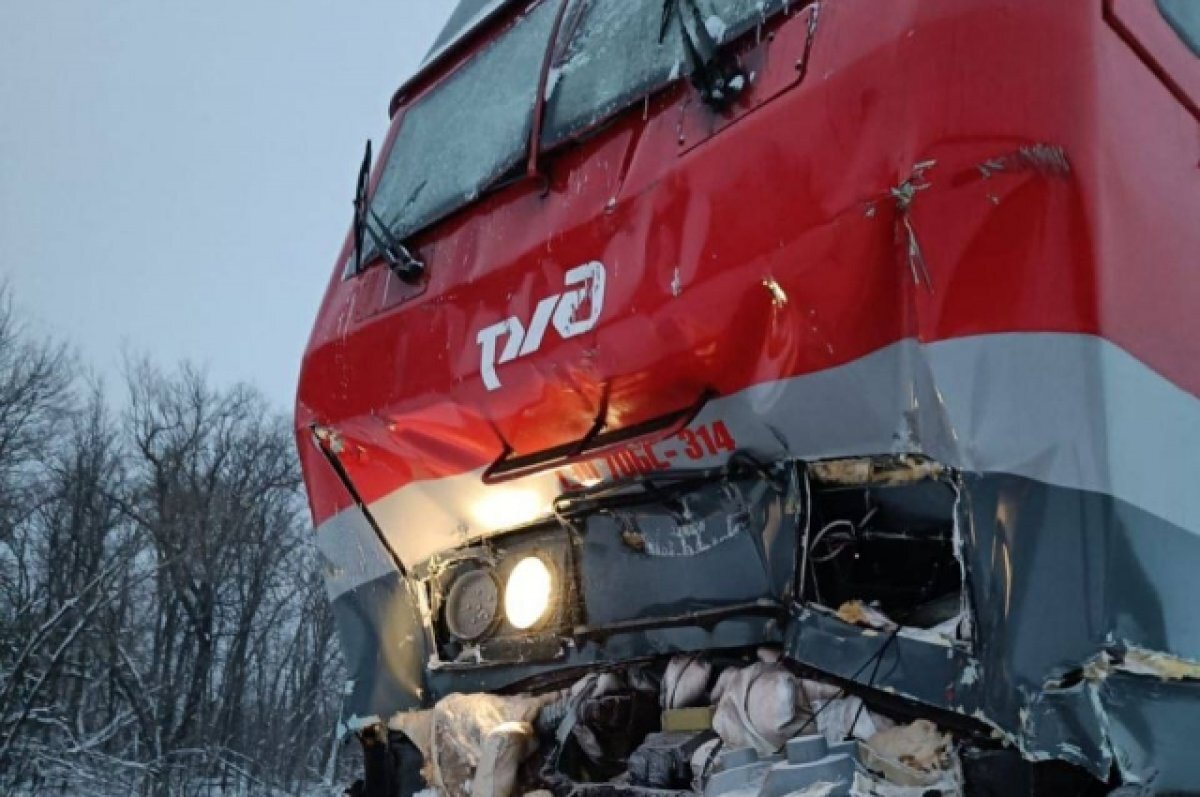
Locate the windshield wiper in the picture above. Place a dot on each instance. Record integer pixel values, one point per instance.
(367, 223)
(400, 260)
(718, 79)
(360, 205)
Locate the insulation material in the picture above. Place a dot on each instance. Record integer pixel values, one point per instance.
(473, 744)
(760, 706)
(836, 713)
(902, 469)
(590, 687)
(604, 713)
(918, 747)
(703, 760)
(867, 785)
(911, 759)
(769, 655)
(855, 612)
(504, 748)
(846, 717)
(1140, 661)
(685, 683)
(858, 613)
(819, 692)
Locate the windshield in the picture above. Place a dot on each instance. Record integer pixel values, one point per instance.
(468, 131)
(610, 54)
(459, 138)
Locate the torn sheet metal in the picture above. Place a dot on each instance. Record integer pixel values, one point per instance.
(904, 194)
(1044, 671)
(723, 544)
(380, 624)
(1045, 158)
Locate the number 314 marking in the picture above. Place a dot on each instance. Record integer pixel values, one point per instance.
(708, 440)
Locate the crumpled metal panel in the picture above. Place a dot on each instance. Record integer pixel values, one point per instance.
(1061, 581)
(383, 640)
(728, 543)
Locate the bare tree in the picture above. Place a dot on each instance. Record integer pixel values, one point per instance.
(163, 628)
(35, 395)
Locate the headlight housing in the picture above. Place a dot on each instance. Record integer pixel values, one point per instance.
(472, 605)
(507, 599)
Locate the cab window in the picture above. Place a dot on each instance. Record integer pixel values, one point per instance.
(472, 129)
(468, 131)
(1184, 17)
(611, 54)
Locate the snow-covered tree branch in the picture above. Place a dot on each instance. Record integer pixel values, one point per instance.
(163, 629)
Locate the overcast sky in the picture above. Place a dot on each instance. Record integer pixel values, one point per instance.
(176, 177)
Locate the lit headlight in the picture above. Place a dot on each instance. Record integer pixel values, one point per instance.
(527, 593)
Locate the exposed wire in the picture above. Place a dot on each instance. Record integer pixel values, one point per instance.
(871, 681)
(804, 563)
(855, 529)
(834, 554)
(829, 527)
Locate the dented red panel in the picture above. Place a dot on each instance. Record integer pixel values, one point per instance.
(937, 171)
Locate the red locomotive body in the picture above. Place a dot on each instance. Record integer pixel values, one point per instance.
(609, 246)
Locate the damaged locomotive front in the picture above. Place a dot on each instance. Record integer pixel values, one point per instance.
(551, 645)
(770, 397)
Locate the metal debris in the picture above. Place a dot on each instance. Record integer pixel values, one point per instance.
(778, 295)
(1044, 158)
(904, 194)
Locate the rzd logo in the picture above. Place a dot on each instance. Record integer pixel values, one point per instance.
(584, 294)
